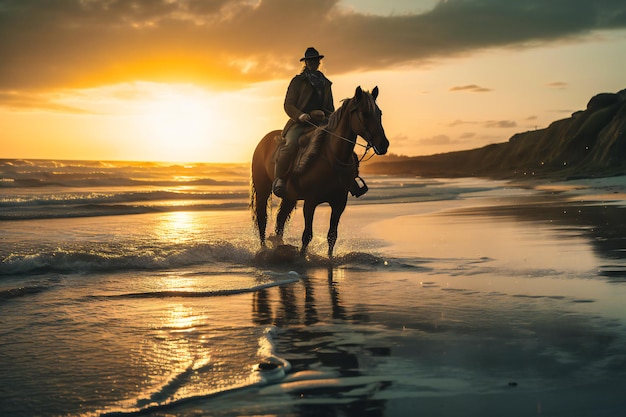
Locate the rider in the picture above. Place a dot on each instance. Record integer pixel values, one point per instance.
(309, 101)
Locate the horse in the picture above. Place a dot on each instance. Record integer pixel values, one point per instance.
(327, 178)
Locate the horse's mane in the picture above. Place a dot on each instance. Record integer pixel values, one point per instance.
(346, 103)
(333, 119)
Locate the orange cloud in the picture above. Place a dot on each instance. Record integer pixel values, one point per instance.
(473, 88)
(500, 124)
(86, 43)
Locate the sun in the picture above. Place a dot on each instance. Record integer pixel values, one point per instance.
(180, 125)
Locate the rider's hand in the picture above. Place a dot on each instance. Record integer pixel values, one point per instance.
(318, 115)
(304, 117)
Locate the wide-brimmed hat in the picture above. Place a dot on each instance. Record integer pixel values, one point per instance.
(311, 53)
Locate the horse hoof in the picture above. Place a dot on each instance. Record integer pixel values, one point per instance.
(275, 241)
(281, 254)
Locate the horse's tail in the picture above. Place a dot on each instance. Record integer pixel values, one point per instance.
(253, 200)
(261, 182)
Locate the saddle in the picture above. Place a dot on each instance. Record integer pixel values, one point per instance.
(309, 145)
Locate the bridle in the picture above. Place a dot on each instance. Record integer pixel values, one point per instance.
(365, 136)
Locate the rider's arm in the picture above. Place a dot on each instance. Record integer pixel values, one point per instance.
(291, 99)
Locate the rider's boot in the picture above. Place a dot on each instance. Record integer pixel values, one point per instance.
(358, 189)
(279, 187)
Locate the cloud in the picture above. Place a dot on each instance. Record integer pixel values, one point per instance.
(500, 124)
(29, 102)
(473, 88)
(88, 43)
(460, 123)
(437, 140)
(487, 124)
(557, 84)
(400, 140)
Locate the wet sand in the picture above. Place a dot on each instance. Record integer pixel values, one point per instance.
(503, 303)
(494, 301)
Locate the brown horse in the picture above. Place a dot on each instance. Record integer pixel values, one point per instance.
(329, 175)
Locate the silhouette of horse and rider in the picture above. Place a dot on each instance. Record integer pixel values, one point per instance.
(313, 158)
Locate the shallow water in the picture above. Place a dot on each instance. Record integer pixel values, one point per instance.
(447, 297)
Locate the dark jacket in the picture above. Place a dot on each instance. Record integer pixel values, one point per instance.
(298, 95)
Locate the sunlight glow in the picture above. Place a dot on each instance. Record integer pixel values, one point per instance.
(179, 125)
(143, 121)
(176, 226)
(181, 319)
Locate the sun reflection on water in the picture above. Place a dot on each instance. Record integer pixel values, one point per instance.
(176, 227)
(181, 318)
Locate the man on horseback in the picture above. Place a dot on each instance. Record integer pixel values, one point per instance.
(326, 180)
(309, 101)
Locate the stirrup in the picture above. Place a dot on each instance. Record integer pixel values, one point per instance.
(356, 189)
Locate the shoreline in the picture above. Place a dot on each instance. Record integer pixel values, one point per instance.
(488, 298)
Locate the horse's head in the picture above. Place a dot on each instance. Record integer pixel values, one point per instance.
(366, 120)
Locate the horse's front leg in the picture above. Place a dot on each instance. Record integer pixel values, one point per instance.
(337, 211)
(284, 212)
(307, 235)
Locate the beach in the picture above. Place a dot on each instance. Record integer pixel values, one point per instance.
(130, 289)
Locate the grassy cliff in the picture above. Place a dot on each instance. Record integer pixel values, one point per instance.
(590, 143)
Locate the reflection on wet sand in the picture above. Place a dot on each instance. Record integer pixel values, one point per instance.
(600, 222)
(497, 305)
(501, 328)
(288, 310)
(320, 337)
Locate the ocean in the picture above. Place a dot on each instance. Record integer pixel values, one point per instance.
(132, 288)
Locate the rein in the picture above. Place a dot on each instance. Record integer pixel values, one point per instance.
(354, 142)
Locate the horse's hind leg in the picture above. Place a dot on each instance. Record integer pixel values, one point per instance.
(284, 212)
(260, 211)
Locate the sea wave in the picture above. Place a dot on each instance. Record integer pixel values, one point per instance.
(21, 165)
(33, 189)
(113, 258)
(293, 277)
(21, 201)
(88, 259)
(93, 210)
(23, 291)
(91, 204)
(98, 179)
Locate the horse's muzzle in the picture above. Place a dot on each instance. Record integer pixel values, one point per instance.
(381, 147)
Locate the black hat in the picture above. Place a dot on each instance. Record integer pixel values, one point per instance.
(311, 53)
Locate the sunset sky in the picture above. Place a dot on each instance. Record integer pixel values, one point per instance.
(204, 80)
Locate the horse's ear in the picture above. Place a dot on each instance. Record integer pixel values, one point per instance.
(358, 93)
(375, 92)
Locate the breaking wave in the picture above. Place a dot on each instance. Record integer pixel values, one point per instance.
(66, 189)
(88, 259)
